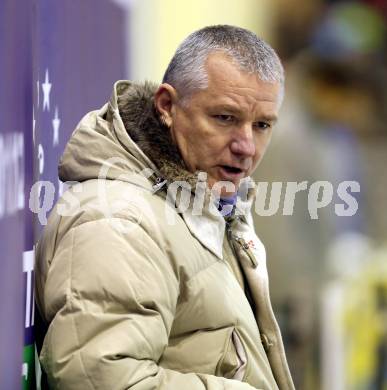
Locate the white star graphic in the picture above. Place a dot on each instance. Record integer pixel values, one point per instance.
(55, 127)
(40, 159)
(46, 86)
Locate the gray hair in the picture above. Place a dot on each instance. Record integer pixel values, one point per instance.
(186, 72)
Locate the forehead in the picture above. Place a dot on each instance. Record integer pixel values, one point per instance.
(229, 85)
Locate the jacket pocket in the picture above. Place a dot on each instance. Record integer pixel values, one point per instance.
(201, 351)
(234, 361)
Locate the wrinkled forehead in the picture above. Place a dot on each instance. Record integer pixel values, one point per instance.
(223, 70)
(230, 86)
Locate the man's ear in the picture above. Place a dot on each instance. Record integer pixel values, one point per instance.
(165, 98)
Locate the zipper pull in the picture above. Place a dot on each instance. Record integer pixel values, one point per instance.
(246, 248)
(160, 182)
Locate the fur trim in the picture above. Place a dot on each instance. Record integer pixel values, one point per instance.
(144, 126)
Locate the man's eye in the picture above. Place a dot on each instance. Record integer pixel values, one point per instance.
(225, 118)
(262, 125)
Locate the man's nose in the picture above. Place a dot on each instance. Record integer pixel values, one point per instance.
(243, 142)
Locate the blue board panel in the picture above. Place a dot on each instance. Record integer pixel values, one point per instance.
(58, 60)
(15, 173)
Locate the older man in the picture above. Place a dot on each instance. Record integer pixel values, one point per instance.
(149, 273)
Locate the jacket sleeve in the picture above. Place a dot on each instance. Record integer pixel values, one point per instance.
(110, 297)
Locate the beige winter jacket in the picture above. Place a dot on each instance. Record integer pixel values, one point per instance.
(136, 286)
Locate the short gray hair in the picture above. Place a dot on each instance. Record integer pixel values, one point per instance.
(186, 72)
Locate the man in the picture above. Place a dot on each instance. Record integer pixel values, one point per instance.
(145, 278)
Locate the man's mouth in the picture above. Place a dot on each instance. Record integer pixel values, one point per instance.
(231, 173)
(231, 169)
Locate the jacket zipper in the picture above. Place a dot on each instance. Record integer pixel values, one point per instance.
(242, 243)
